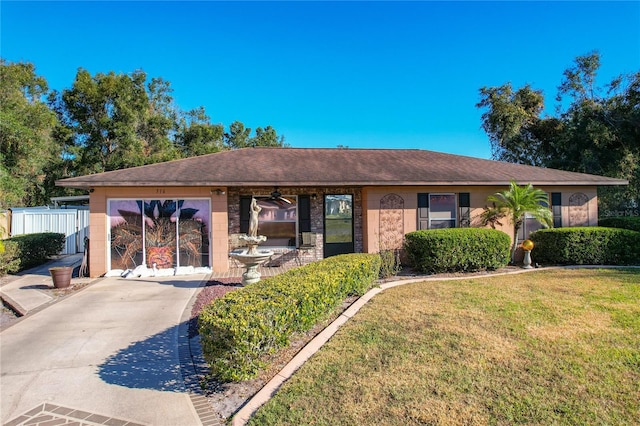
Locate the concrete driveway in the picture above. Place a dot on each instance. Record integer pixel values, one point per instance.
(107, 354)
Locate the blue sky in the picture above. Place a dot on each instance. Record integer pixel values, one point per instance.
(360, 74)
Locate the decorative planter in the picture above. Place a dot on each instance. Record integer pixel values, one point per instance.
(527, 246)
(61, 276)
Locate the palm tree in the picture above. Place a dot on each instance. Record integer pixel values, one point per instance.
(518, 201)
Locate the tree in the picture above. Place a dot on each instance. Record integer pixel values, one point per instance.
(102, 122)
(240, 137)
(516, 202)
(107, 114)
(593, 131)
(267, 137)
(509, 121)
(26, 144)
(197, 136)
(159, 123)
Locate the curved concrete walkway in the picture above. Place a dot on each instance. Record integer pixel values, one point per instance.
(108, 354)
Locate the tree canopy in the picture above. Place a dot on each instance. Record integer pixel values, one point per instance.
(27, 145)
(594, 129)
(103, 122)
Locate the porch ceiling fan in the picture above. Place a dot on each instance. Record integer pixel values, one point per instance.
(276, 196)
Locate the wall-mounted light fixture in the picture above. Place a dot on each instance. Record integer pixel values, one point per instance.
(91, 190)
(314, 196)
(217, 191)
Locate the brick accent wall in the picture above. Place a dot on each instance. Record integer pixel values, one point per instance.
(317, 213)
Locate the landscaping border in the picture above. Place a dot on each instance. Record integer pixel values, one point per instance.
(243, 415)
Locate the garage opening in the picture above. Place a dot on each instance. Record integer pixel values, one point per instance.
(160, 233)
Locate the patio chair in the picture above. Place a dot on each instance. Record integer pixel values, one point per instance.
(307, 244)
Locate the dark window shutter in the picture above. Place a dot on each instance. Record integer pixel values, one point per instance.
(304, 213)
(464, 205)
(423, 201)
(556, 209)
(245, 208)
(423, 211)
(464, 199)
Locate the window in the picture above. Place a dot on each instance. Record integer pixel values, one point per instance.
(442, 211)
(278, 219)
(338, 224)
(437, 211)
(338, 213)
(529, 225)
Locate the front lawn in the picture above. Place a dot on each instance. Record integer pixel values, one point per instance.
(547, 347)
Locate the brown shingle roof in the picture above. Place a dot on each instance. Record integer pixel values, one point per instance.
(331, 167)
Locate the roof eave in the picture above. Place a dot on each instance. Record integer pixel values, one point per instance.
(88, 184)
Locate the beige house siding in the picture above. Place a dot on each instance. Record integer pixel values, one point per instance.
(367, 212)
(372, 196)
(384, 184)
(99, 225)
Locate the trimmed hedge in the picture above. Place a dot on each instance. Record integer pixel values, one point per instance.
(457, 249)
(9, 259)
(243, 326)
(586, 246)
(36, 249)
(626, 222)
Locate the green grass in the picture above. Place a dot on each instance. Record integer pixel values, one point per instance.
(547, 347)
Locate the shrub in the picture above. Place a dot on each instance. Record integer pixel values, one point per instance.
(626, 222)
(239, 329)
(586, 246)
(35, 249)
(9, 258)
(457, 249)
(390, 263)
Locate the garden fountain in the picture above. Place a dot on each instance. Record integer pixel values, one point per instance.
(251, 258)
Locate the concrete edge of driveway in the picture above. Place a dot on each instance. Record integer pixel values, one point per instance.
(23, 314)
(242, 416)
(193, 366)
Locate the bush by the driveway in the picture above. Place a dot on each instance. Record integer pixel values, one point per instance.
(9, 260)
(243, 326)
(35, 249)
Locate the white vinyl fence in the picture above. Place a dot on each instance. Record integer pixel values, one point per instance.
(74, 223)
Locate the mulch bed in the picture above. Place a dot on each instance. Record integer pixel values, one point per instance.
(212, 290)
(226, 398)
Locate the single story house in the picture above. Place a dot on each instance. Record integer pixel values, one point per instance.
(189, 212)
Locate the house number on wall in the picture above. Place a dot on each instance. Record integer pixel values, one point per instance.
(160, 191)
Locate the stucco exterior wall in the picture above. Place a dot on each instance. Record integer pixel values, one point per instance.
(585, 214)
(579, 207)
(99, 224)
